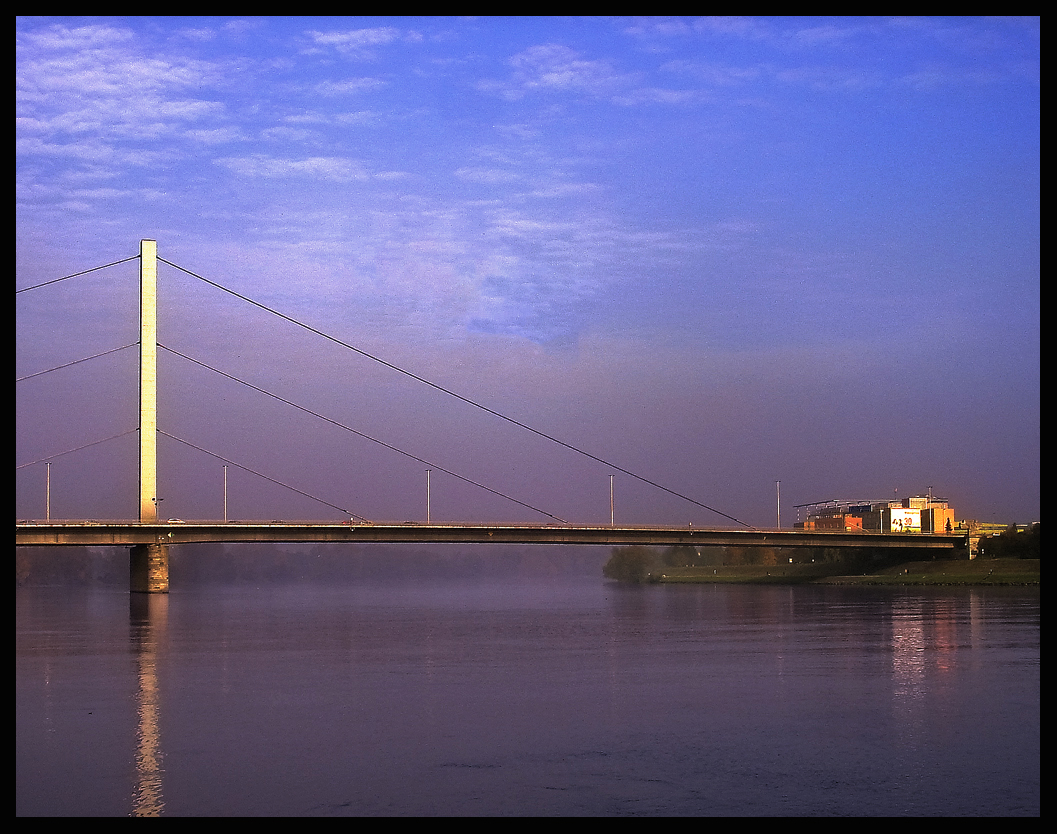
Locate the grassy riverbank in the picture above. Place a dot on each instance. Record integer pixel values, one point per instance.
(975, 572)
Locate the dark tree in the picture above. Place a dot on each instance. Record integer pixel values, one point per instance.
(631, 564)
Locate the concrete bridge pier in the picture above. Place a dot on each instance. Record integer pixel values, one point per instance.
(149, 569)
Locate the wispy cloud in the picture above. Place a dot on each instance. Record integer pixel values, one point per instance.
(559, 71)
(491, 176)
(557, 68)
(361, 43)
(335, 169)
(96, 83)
(349, 86)
(848, 53)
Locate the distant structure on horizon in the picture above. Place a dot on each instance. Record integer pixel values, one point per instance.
(916, 514)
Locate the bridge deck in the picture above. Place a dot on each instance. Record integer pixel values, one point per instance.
(120, 534)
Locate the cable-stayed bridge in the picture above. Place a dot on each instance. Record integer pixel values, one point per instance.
(149, 536)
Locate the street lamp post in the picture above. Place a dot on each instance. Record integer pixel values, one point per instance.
(612, 523)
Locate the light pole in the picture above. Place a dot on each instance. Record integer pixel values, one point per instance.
(428, 518)
(225, 495)
(611, 516)
(778, 487)
(47, 491)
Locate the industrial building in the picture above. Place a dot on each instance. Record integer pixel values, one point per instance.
(916, 514)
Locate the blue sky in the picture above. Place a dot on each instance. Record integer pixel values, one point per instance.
(716, 252)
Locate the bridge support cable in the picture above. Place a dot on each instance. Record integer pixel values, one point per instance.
(358, 433)
(75, 274)
(262, 475)
(71, 451)
(457, 396)
(75, 362)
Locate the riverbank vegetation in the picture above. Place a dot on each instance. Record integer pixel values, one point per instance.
(1012, 543)
(866, 566)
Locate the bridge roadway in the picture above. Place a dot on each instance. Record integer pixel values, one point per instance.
(129, 533)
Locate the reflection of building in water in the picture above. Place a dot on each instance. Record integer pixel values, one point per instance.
(148, 616)
(917, 514)
(925, 640)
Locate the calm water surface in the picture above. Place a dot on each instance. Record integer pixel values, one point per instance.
(527, 696)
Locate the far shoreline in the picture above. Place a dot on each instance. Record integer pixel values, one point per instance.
(977, 572)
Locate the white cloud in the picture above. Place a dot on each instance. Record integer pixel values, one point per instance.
(97, 81)
(348, 86)
(557, 68)
(488, 176)
(287, 134)
(215, 136)
(356, 38)
(360, 43)
(657, 95)
(337, 169)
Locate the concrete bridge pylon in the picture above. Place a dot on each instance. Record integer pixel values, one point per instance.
(149, 564)
(149, 569)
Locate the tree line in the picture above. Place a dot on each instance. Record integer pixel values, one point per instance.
(637, 563)
(1011, 543)
(641, 563)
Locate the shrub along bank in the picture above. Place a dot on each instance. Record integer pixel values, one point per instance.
(640, 564)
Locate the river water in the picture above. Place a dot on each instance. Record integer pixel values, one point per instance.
(527, 695)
